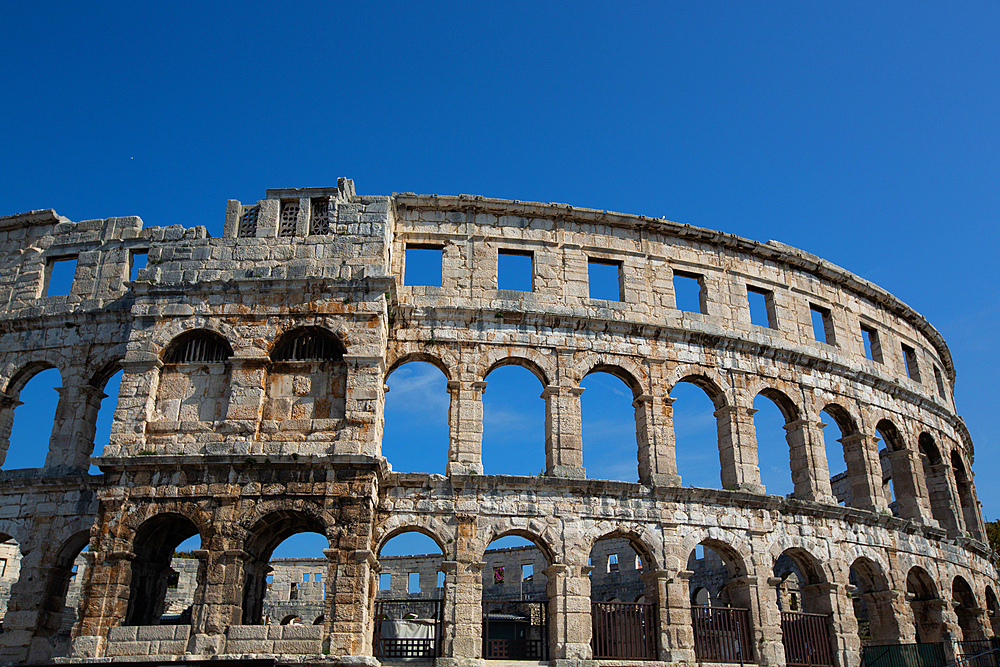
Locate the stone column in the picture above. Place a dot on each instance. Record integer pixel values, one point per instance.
(738, 448)
(884, 621)
(943, 498)
(810, 472)
(865, 472)
(767, 623)
(364, 404)
(831, 599)
(218, 598)
(907, 482)
(349, 597)
(7, 406)
(137, 401)
(655, 436)
(105, 595)
(75, 423)
(465, 427)
(563, 432)
(463, 612)
(568, 590)
(674, 598)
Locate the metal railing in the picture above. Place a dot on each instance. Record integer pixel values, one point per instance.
(624, 630)
(981, 653)
(903, 655)
(722, 634)
(806, 638)
(515, 630)
(408, 617)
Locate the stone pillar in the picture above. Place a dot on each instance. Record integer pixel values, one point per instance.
(137, 400)
(655, 436)
(865, 472)
(676, 629)
(75, 423)
(568, 590)
(943, 498)
(886, 614)
(907, 482)
(738, 448)
(465, 427)
(364, 405)
(831, 599)
(105, 595)
(767, 623)
(7, 406)
(563, 432)
(810, 472)
(350, 593)
(246, 394)
(463, 612)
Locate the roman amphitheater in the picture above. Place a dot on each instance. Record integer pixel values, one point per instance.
(251, 408)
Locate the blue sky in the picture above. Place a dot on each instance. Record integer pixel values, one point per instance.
(863, 132)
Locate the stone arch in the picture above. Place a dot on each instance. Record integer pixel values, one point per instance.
(194, 383)
(707, 379)
(306, 379)
(540, 365)
(966, 494)
(538, 538)
(161, 338)
(967, 610)
(926, 605)
(153, 544)
(419, 355)
(992, 609)
(287, 620)
(9, 399)
(269, 527)
(898, 483)
(789, 409)
(872, 599)
(734, 550)
(18, 373)
(640, 540)
(937, 485)
(805, 469)
(633, 374)
(58, 577)
(398, 524)
(279, 346)
(103, 367)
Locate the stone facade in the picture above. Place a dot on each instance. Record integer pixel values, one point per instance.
(251, 409)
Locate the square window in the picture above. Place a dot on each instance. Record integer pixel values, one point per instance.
(604, 277)
(137, 262)
(384, 582)
(423, 266)
(413, 581)
(514, 271)
(910, 361)
(761, 307)
(59, 273)
(689, 292)
(318, 576)
(822, 323)
(873, 348)
(305, 578)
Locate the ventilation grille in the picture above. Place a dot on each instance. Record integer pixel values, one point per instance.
(200, 350)
(289, 217)
(319, 224)
(309, 347)
(248, 222)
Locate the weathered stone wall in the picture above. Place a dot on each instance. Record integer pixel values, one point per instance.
(252, 405)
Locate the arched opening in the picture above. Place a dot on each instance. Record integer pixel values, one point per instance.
(154, 546)
(515, 600)
(626, 630)
(696, 434)
(286, 571)
(409, 604)
(967, 610)
(965, 496)
(106, 416)
(925, 605)
(872, 603)
(841, 479)
(194, 382)
(417, 405)
(513, 422)
(805, 606)
(936, 479)
(892, 441)
(62, 593)
(291, 619)
(775, 413)
(993, 611)
(306, 387)
(610, 449)
(720, 604)
(29, 419)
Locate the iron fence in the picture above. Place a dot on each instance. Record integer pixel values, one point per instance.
(624, 630)
(903, 655)
(722, 634)
(515, 630)
(806, 638)
(408, 628)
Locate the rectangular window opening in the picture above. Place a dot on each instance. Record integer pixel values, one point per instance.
(305, 578)
(515, 271)
(939, 380)
(613, 563)
(413, 582)
(440, 582)
(689, 292)
(910, 361)
(873, 348)
(423, 265)
(137, 262)
(318, 576)
(527, 570)
(761, 307)
(822, 321)
(270, 578)
(59, 273)
(384, 582)
(604, 278)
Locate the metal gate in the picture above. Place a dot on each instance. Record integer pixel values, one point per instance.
(515, 630)
(408, 628)
(722, 634)
(624, 630)
(902, 655)
(806, 638)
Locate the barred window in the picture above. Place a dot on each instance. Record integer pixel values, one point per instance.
(319, 223)
(308, 345)
(198, 347)
(248, 222)
(289, 216)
